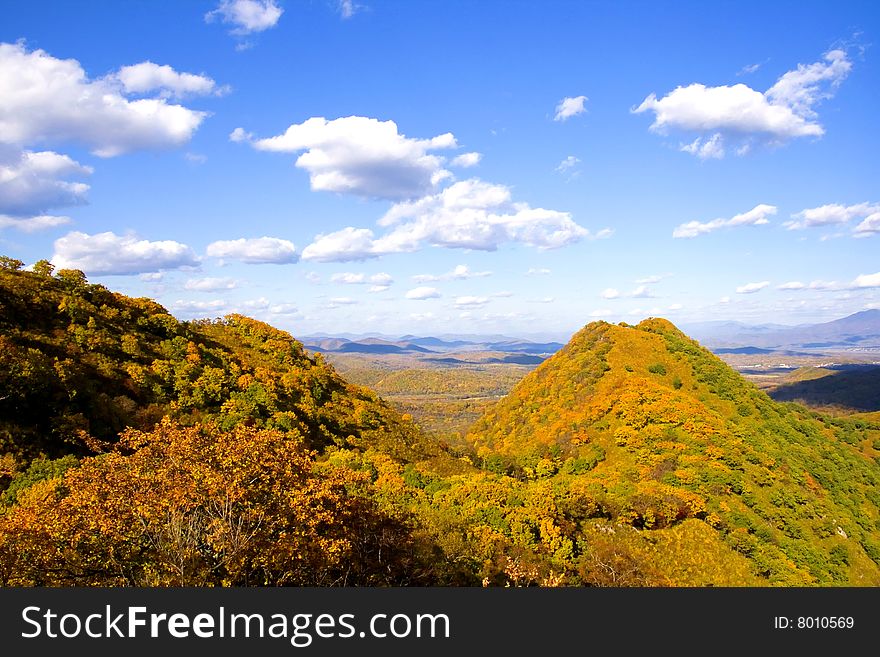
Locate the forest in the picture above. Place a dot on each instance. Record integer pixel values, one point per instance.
(139, 450)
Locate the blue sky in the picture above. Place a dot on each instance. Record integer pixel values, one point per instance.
(431, 167)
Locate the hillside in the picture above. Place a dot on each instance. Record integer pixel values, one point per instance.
(79, 364)
(663, 433)
(139, 450)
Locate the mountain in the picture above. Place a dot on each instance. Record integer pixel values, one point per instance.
(409, 344)
(676, 446)
(861, 329)
(79, 364)
(855, 388)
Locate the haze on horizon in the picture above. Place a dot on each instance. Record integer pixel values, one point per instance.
(446, 168)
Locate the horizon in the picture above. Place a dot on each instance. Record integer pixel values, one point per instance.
(448, 168)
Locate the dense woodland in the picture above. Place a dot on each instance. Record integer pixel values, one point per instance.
(139, 450)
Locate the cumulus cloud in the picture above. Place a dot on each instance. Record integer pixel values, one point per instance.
(422, 293)
(33, 182)
(347, 278)
(361, 156)
(474, 214)
(32, 224)
(757, 216)
(108, 253)
(866, 281)
(470, 214)
(642, 292)
(246, 16)
(209, 284)
(198, 308)
(466, 160)
(601, 312)
(831, 214)
(870, 226)
(569, 107)
(706, 149)
(148, 76)
(649, 280)
(751, 288)
(471, 302)
(610, 293)
(785, 111)
(346, 245)
(813, 285)
(44, 99)
(458, 273)
(254, 251)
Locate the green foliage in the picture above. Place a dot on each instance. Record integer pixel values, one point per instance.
(657, 368)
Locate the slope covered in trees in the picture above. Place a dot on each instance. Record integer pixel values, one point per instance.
(136, 449)
(660, 431)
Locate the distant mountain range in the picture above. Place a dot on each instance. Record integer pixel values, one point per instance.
(410, 344)
(861, 330)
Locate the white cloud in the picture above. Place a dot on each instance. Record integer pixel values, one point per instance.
(724, 300)
(44, 99)
(148, 76)
(346, 245)
(784, 112)
(642, 292)
(866, 280)
(542, 300)
(195, 158)
(466, 160)
(284, 309)
(830, 214)
(870, 226)
(474, 214)
(757, 216)
(108, 253)
(813, 285)
(458, 273)
(348, 278)
(674, 307)
(504, 294)
(601, 312)
(348, 8)
(751, 288)
(568, 163)
(378, 288)
(342, 301)
(471, 302)
(361, 156)
(32, 224)
(470, 214)
(569, 107)
(610, 293)
(191, 308)
(246, 16)
(152, 277)
(259, 250)
(538, 271)
(239, 135)
(708, 149)
(32, 182)
(209, 284)
(422, 293)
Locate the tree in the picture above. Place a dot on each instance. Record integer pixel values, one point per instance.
(12, 264)
(43, 268)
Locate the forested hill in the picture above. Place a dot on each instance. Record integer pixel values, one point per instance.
(139, 450)
(79, 364)
(663, 431)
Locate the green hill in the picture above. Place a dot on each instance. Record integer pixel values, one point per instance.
(79, 364)
(139, 450)
(664, 434)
